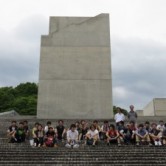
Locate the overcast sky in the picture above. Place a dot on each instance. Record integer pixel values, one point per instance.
(138, 43)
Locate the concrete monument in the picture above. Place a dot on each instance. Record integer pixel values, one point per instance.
(75, 69)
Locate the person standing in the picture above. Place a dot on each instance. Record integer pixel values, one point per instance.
(119, 116)
(132, 115)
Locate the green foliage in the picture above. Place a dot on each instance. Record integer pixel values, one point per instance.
(22, 98)
(123, 110)
(27, 89)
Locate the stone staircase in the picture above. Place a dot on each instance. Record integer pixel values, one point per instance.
(25, 155)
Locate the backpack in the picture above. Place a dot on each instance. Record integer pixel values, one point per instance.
(50, 141)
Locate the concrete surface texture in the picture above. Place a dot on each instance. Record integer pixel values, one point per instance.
(156, 107)
(75, 69)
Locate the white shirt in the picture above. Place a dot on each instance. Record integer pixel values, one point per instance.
(46, 128)
(119, 117)
(93, 133)
(72, 135)
(161, 128)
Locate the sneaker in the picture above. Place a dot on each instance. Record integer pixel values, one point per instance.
(75, 146)
(68, 146)
(155, 143)
(137, 144)
(93, 144)
(159, 143)
(119, 144)
(150, 144)
(39, 145)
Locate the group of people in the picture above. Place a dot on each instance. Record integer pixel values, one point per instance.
(121, 132)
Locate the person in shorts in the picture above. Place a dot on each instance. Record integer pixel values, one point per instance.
(92, 136)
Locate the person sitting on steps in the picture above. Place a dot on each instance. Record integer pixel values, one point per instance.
(19, 134)
(72, 137)
(34, 129)
(50, 138)
(164, 135)
(11, 130)
(127, 135)
(155, 135)
(61, 131)
(26, 129)
(92, 136)
(84, 129)
(39, 136)
(142, 135)
(113, 136)
(104, 129)
(47, 126)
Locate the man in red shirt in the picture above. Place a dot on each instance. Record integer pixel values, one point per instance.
(113, 136)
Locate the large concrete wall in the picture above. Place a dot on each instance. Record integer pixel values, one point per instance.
(148, 110)
(140, 112)
(160, 106)
(75, 69)
(157, 107)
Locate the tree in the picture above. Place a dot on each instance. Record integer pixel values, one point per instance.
(6, 98)
(26, 89)
(25, 105)
(22, 98)
(125, 112)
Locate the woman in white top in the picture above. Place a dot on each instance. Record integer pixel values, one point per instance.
(92, 136)
(119, 116)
